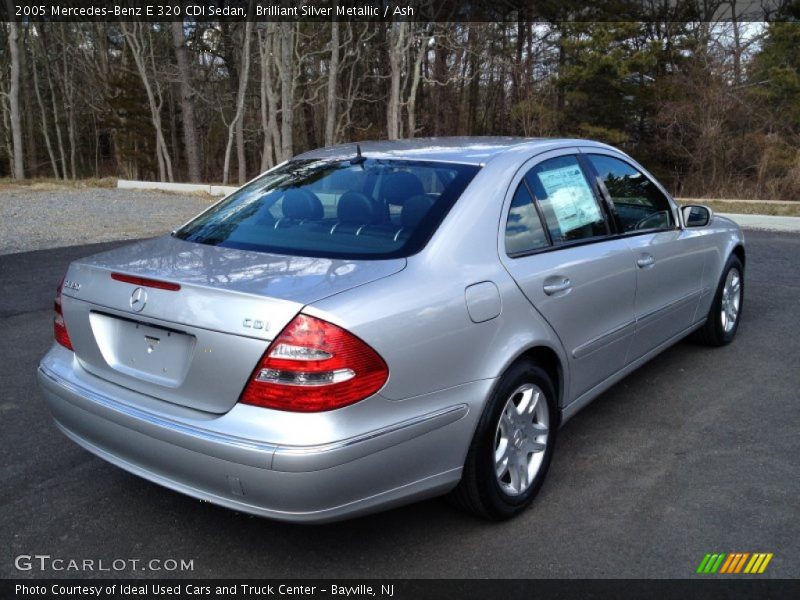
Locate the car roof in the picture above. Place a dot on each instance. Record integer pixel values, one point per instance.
(473, 150)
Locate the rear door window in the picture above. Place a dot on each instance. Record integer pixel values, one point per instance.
(336, 209)
(566, 199)
(524, 231)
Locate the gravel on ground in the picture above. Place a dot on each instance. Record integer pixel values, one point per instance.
(35, 219)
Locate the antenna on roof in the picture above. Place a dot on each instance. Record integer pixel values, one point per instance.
(358, 160)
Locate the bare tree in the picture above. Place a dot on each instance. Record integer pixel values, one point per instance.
(354, 78)
(13, 98)
(54, 102)
(286, 68)
(43, 116)
(190, 138)
(67, 85)
(416, 74)
(244, 76)
(333, 75)
(134, 38)
(397, 52)
(269, 98)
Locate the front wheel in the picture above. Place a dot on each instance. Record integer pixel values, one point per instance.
(510, 453)
(726, 309)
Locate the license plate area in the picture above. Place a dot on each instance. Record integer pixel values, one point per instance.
(141, 350)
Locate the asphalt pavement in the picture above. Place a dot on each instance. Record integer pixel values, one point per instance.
(695, 452)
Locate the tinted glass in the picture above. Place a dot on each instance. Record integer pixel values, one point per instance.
(639, 204)
(568, 204)
(378, 209)
(524, 230)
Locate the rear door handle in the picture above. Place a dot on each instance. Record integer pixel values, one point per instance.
(645, 260)
(561, 285)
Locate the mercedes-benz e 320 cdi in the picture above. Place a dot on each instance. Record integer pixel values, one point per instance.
(361, 327)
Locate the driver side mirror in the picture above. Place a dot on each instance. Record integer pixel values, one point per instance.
(696, 215)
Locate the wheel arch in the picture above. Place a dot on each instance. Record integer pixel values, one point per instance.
(548, 359)
(739, 252)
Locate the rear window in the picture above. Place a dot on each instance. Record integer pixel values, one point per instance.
(376, 209)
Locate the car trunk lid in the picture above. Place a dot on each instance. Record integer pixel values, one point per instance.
(195, 345)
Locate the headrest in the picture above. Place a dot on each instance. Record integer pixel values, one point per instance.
(400, 186)
(343, 180)
(301, 204)
(415, 209)
(355, 207)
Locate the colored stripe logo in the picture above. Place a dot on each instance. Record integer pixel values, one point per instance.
(734, 563)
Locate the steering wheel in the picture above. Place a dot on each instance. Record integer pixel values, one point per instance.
(656, 220)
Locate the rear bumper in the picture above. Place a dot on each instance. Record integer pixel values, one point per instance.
(404, 451)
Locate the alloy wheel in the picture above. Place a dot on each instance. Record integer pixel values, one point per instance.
(521, 439)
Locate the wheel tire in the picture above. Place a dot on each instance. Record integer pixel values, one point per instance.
(480, 491)
(715, 332)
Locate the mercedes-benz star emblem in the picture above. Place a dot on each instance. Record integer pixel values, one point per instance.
(138, 299)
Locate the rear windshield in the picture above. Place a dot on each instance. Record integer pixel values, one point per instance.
(376, 209)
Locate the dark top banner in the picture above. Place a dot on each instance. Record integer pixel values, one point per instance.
(402, 10)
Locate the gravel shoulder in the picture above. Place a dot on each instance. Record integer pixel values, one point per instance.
(35, 219)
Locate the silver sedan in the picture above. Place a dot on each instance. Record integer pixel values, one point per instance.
(364, 326)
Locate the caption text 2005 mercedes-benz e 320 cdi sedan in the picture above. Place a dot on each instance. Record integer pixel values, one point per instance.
(366, 326)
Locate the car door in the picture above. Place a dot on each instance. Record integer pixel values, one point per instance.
(669, 260)
(557, 246)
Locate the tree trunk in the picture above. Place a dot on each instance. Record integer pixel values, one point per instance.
(43, 114)
(244, 75)
(396, 53)
(269, 99)
(13, 98)
(31, 147)
(286, 68)
(241, 158)
(54, 103)
(190, 138)
(333, 74)
(69, 96)
(441, 110)
(737, 46)
(415, 77)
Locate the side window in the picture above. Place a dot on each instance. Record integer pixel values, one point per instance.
(568, 204)
(639, 204)
(524, 230)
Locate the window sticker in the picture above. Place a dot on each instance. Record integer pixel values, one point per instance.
(571, 198)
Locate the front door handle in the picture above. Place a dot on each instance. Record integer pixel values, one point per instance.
(562, 284)
(645, 260)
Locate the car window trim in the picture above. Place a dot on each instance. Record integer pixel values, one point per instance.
(572, 244)
(599, 189)
(542, 221)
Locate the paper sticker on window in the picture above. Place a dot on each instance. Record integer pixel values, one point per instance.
(571, 198)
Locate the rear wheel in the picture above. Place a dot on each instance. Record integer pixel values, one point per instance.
(726, 309)
(510, 453)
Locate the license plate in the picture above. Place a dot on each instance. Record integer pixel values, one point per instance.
(143, 351)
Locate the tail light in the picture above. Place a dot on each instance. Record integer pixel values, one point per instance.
(59, 326)
(314, 366)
